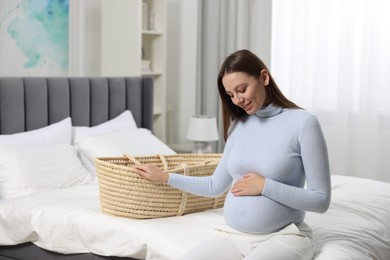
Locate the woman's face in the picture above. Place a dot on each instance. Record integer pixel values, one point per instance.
(246, 91)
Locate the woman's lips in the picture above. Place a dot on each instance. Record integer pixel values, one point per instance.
(247, 107)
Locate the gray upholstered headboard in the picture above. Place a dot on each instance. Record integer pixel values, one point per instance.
(32, 102)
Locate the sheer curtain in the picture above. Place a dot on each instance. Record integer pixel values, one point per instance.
(227, 26)
(333, 57)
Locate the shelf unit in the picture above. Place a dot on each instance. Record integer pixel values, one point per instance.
(154, 50)
(127, 41)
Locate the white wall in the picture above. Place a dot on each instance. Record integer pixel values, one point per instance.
(85, 37)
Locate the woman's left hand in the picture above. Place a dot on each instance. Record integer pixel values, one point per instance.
(250, 185)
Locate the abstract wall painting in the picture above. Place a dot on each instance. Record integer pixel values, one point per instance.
(34, 37)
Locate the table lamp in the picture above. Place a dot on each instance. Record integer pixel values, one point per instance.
(202, 130)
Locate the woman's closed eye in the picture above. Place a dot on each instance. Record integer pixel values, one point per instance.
(241, 90)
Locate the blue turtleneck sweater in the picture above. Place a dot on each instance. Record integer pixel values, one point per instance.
(288, 148)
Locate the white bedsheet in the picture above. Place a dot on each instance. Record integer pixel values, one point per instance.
(357, 225)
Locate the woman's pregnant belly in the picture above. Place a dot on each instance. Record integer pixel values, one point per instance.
(258, 214)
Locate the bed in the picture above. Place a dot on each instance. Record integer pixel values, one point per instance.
(85, 118)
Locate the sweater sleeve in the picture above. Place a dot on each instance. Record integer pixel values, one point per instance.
(316, 196)
(211, 186)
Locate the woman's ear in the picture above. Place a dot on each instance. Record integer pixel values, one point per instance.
(264, 76)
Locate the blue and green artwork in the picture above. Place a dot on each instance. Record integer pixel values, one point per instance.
(39, 30)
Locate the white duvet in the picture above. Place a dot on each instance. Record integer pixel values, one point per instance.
(356, 226)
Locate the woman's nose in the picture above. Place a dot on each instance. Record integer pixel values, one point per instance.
(237, 100)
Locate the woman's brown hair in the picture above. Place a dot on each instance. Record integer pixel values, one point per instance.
(247, 62)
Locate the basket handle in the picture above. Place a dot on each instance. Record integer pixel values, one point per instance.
(184, 195)
(135, 161)
(164, 161)
(131, 158)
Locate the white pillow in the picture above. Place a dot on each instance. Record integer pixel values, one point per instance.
(26, 169)
(140, 142)
(123, 122)
(60, 132)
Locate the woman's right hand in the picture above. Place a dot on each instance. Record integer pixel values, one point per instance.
(251, 184)
(152, 173)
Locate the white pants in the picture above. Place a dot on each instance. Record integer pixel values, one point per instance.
(291, 242)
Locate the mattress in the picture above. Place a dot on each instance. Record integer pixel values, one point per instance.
(68, 221)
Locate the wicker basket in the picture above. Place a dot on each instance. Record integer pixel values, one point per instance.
(124, 193)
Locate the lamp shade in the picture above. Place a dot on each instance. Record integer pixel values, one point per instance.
(203, 128)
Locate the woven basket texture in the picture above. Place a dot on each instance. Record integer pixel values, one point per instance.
(124, 193)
